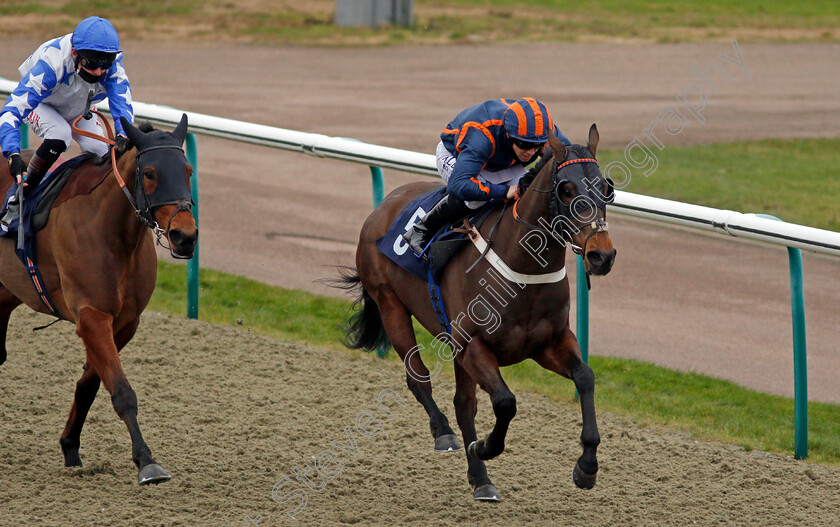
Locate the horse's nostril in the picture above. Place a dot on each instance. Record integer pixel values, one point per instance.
(176, 236)
(601, 262)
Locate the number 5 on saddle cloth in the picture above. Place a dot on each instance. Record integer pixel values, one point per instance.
(443, 246)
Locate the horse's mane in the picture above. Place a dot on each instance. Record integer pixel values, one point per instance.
(144, 126)
(579, 151)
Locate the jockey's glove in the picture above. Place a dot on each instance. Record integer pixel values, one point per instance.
(16, 166)
(121, 143)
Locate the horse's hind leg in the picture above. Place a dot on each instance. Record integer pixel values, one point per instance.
(397, 323)
(466, 406)
(86, 390)
(8, 303)
(564, 359)
(95, 329)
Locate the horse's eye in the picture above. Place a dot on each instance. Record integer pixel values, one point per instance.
(567, 192)
(149, 173)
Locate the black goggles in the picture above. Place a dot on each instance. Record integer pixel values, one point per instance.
(527, 145)
(91, 61)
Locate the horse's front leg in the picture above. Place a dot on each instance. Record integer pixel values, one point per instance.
(96, 330)
(564, 359)
(86, 390)
(466, 406)
(481, 364)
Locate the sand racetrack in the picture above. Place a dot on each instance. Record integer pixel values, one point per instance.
(230, 414)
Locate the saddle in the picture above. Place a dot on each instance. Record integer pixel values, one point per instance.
(445, 243)
(37, 205)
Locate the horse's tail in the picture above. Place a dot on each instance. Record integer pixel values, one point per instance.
(364, 329)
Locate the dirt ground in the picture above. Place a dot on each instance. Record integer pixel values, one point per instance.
(676, 298)
(230, 414)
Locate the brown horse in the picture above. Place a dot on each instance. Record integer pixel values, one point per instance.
(506, 306)
(97, 258)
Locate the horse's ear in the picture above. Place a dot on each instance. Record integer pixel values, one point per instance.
(557, 147)
(134, 135)
(594, 137)
(180, 131)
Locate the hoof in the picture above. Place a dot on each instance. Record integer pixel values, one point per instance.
(487, 493)
(582, 479)
(447, 443)
(71, 454)
(72, 460)
(152, 473)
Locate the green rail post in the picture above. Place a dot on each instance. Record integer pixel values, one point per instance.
(377, 180)
(582, 310)
(582, 313)
(24, 136)
(800, 370)
(378, 183)
(192, 265)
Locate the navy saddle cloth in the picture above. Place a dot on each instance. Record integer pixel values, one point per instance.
(36, 208)
(446, 242)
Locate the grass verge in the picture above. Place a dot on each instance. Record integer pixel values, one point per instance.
(794, 180)
(709, 408)
(441, 21)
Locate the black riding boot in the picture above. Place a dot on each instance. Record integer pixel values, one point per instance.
(44, 157)
(41, 161)
(448, 210)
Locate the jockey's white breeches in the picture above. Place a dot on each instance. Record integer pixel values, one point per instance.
(47, 123)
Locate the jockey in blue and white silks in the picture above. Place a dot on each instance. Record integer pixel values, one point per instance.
(55, 82)
(481, 156)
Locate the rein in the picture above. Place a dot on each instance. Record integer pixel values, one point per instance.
(150, 221)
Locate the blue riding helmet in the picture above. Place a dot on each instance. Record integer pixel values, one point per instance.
(96, 34)
(97, 44)
(528, 120)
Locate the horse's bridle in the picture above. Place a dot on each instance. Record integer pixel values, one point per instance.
(144, 214)
(556, 208)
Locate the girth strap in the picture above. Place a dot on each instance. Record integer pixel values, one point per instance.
(38, 282)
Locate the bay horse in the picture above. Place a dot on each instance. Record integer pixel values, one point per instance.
(522, 313)
(96, 256)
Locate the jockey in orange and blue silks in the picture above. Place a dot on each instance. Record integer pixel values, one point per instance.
(482, 155)
(56, 81)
